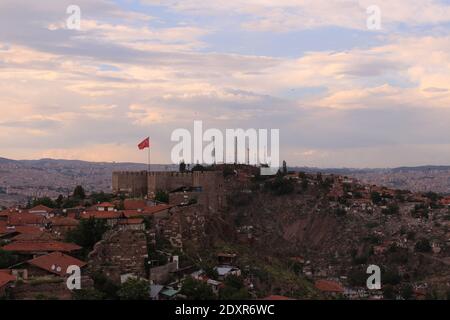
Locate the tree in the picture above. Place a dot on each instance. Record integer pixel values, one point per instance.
(196, 290)
(388, 292)
(87, 294)
(162, 196)
(134, 289)
(45, 201)
(87, 233)
(79, 193)
(407, 291)
(376, 197)
(104, 285)
(182, 167)
(423, 245)
(284, 168)
(7, 259)
(59, 201)
(391, 209)
(234, 289)
(280, 186)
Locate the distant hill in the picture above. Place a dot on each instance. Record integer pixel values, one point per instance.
(419, 179)
(21, 179)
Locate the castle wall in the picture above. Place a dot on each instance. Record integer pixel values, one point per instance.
(130, 183)
(211, 184)
(168, 181)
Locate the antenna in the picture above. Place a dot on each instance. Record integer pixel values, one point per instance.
(235, 150)
(214, 150)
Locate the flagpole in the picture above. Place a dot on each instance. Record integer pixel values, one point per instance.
(148, 159)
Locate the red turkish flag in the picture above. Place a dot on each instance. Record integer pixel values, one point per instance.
(144, 144)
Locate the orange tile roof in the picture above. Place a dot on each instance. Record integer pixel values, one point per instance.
(147, 212)
(101, 215)
(63, 222)
(28, 229)
(40, 208)
(328, 286)
(25, 219)
(6, 278)
(105, 204)
(131, 204)
(56, 262)
(5, 229)
(41, 246)
(41, 236)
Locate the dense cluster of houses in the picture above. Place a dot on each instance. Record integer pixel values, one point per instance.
(38, 236)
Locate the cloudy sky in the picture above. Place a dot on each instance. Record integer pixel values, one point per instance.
(342, 95)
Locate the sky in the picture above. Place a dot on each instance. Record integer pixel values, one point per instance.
(341, 94)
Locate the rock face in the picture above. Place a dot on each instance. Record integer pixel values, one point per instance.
(120, 252)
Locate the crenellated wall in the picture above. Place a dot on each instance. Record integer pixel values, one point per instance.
(130, 183)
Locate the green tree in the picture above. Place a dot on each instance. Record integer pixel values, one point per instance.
(285, 171)
(280, 186)
(182, 167)
(45, 201)
(234, 289)
(87, 294)
(196, 290)
(376, 197)
(79, 193)
(105, 286)
(407, 291)
(391, 209)
(8, 259)
(423, 245)
(134, 289)
(388, 292)
(59, 201)
(162, 196)
(87, 233)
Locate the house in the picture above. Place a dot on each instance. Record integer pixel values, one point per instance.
(132, 224)
(40, 247)
(26, 219)
(133, 204)
(7, 231)
(104, 206)
(35, 236)
(112, 217)
(215, 285)
(225, 271)
(168, 293)
(62, 225)
(157, 211)
(329, 287)
(41, 210)
(226, 259)
(52, 264)
(6, 281)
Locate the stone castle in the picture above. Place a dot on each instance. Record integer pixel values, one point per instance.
(202, 187)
